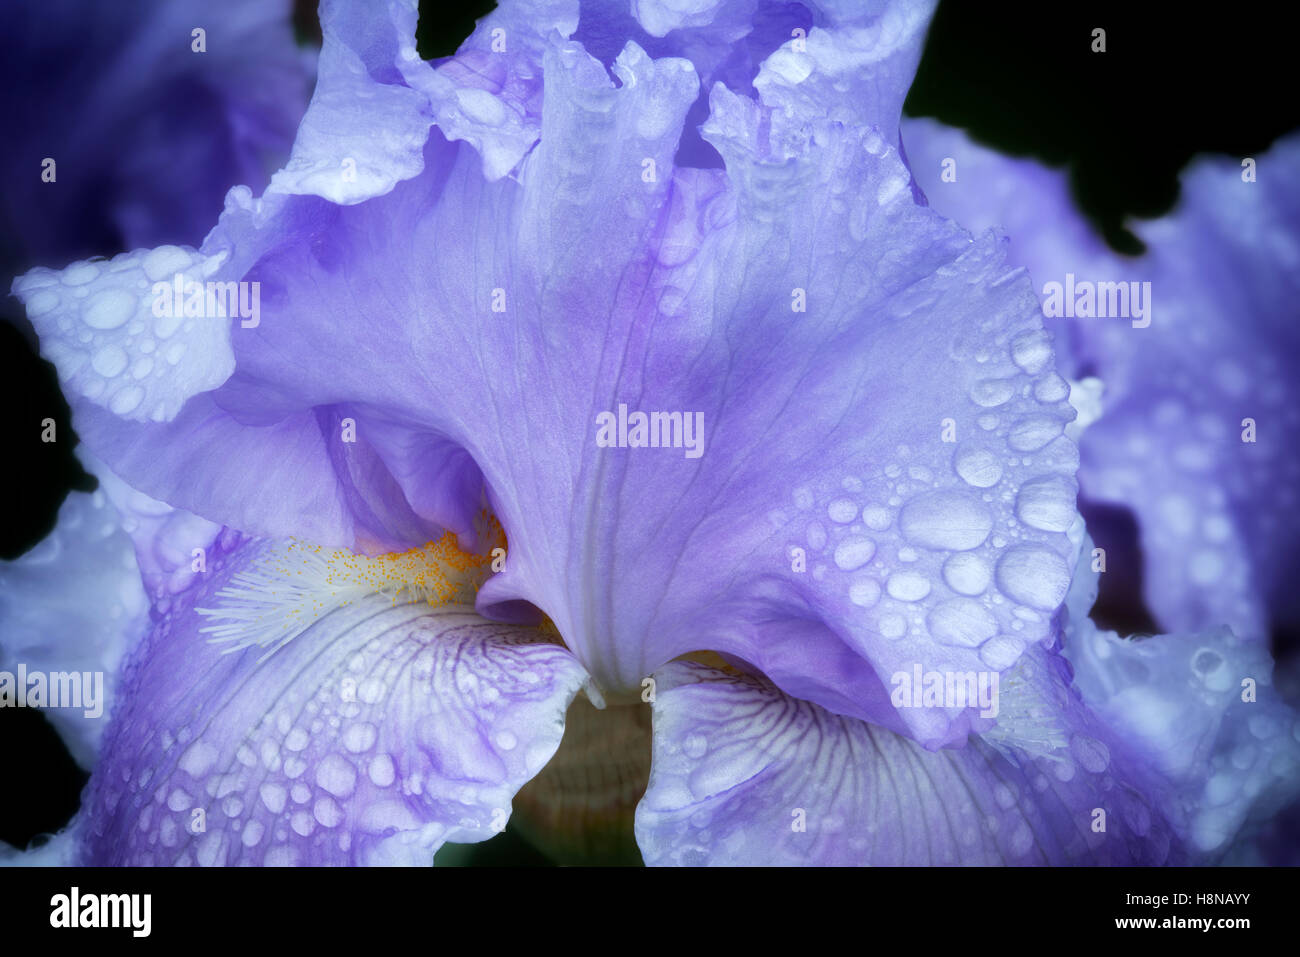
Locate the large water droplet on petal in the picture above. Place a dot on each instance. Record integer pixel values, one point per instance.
(1047, 503)
(1033, 575)
(962, 622)
(978, 467)
(967, 574)
(907, 586)
(853, 553)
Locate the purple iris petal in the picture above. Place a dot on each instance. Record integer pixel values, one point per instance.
(75, 603)
(746, 775)
(1213, 394)
(378, 733)
(1205, 389)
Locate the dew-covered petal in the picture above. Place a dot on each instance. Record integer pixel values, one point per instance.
(1212, 395)
(117, 334)
(70, 610)
(1204, 389)
(364, 130)
(855, 66)
(743, 774)
(852, 62)
(1202, 709)
(373, 736)
(1028, 202)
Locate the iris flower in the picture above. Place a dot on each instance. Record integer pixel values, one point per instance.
(398, 528)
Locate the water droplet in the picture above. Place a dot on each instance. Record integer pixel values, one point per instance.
(108, 309)
(961, 622)
(1001, 652)
(1031, 351)
(198, 759)
(109, 361)
(907, 586)
(80, 274)
(165, 262)
(382, 771)
(302, 823)
(253, 832)
(1092, 754)
(126, 401)
(842, 511)
(273, 796)
(359, 737)
(1032, 432)
(966, 574)
(893, 626)
(370, 691)
(1047, 503)
(1051, 388)
(992, 392)
(327, 812)
(851, 554)
(1022, 839)
(978, 467)
(1033, 575)
(876, 517)
(41, 302)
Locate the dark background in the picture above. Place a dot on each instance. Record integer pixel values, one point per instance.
(1020, 77)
